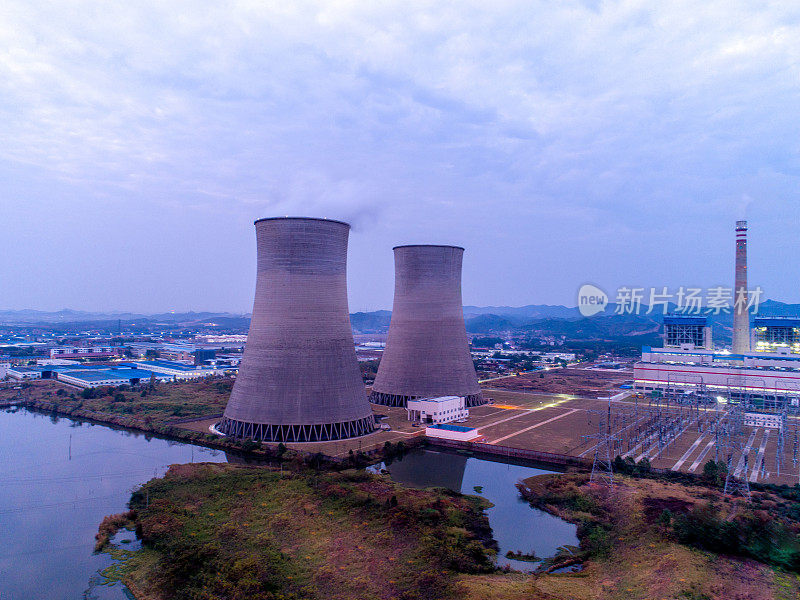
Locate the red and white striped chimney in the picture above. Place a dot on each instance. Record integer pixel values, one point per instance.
(741, 317)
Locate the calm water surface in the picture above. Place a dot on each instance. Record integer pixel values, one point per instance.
(58, 479)
(516, 526)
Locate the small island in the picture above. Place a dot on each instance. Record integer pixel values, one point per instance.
(520, 555)
(230, 531)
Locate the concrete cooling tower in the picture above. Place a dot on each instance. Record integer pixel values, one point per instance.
(299, 380)
(427, 352)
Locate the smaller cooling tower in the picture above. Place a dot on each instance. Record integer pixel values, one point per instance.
(299, 380)
(427, 352)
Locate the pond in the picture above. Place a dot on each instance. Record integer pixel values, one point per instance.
(516, 526)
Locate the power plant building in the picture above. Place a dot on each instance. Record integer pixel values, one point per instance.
(776, 334)
(427, 351)
(689, 332)
(299, 379)
(688, 363)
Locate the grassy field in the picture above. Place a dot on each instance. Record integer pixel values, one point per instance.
(638, 545)
(233, 532)
(163, 403)
(223, 531)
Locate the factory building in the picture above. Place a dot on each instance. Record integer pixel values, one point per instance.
(176, 370)
(764, 419)
(97, 352)
(21, 373)
(112, 376)
(769, 376)
(687, 332)
(299, 379)
(436, 411)
(776, 334)
(688, 363)
(427, 351)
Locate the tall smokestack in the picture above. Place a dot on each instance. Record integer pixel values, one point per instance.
(741, 317)
(299, 379)
(427, 352)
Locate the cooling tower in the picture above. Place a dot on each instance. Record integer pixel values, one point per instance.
(299, 380)
(741, 316)
(427, 353)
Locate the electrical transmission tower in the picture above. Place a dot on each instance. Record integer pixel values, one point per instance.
(733, 483)
(602, 465)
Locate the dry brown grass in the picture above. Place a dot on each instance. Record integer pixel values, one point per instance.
(644, 563)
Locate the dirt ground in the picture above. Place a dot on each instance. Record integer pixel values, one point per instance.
(555, 422)
(588, 383)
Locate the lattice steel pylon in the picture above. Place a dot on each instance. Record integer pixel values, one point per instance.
(602, 465)
(734, 484)
(781, 438)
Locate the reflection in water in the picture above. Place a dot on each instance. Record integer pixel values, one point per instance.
(59, 478)
(516, 526)
(418, 470)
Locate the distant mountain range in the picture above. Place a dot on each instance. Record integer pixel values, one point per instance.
(533, 319)
(66, 315)
(548, 320)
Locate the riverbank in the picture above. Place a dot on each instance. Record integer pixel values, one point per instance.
(651, 538)
(162, 411)
(212, 531)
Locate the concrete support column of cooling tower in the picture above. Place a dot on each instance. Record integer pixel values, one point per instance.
(741, 316)
(299, 379)
(427, 351)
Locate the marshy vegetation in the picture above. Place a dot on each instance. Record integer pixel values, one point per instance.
(223, 531)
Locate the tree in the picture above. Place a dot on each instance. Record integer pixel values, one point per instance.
(714, 472)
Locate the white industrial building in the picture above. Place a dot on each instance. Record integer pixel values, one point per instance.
(764, 419)
(85, 352)
(178, 370)
(719, 373)
(444, 409)
(17, 372)
(453, 432)
(111, 376)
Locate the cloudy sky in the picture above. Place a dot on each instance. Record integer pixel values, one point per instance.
(559, 142)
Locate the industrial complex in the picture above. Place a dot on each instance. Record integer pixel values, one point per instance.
(763, 363)
(113, 374)
(298, 379)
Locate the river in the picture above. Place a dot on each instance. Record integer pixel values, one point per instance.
(59, 477)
